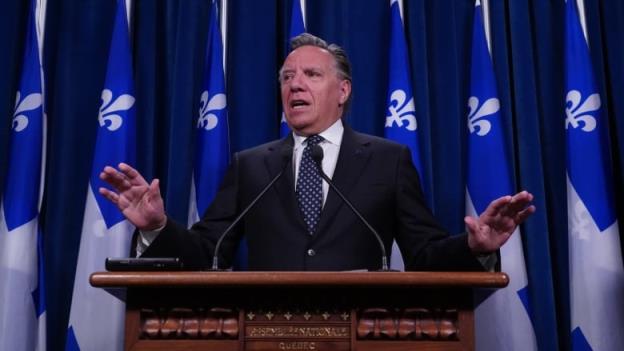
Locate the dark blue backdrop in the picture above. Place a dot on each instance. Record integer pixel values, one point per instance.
(169, 39)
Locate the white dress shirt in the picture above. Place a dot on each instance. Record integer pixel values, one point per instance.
(332, 138)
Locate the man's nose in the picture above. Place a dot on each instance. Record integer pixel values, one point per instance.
(296, 83)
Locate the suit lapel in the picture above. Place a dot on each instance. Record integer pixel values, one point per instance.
(352, 158)
(285, 186)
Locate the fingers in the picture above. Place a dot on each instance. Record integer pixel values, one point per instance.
(156, 202)
(123, 179)
(519, 202)
(497, 223)
(155, 188)
(116, 179)
(510, 206)
(113, 197)
(154, 192)
(497, 206)
(471, 224)
(524, 214)
(132, 174)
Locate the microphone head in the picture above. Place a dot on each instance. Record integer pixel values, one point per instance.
(317, 154)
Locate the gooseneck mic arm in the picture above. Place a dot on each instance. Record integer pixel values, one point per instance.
(286, 154)
(317, 156)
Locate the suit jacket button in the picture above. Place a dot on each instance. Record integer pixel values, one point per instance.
(311, 252)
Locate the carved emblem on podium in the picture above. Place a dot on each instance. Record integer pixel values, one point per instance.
(410, 323)
(187, 323)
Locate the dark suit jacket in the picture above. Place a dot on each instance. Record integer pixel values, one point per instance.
(377, 175)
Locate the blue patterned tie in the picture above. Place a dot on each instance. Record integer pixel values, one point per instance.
(310, 186)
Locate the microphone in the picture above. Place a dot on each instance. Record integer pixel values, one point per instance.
(286, 156)
(317, 156)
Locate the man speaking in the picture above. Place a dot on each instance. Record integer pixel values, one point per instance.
(301, 222)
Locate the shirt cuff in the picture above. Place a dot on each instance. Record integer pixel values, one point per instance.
(145, 239)
(488, 261)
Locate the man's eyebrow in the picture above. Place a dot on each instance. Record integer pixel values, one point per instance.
(283, 71)
(317, 67)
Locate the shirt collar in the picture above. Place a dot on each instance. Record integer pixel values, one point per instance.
(333, 135)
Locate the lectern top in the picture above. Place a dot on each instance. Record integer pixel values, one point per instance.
(259, 279)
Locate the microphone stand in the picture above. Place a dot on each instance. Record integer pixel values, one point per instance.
(317, 156)
(286, 157)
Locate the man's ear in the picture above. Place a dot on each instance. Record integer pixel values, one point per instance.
(345, 91)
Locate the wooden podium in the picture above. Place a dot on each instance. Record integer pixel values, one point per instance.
(223, 311)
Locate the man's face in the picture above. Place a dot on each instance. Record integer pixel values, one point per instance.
(313, 95)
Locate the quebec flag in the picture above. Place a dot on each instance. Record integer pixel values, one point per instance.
(22, 291)
(502, 319)
(595, 257)
(96, 319)
(212, 145)
(297, 26)
(401, 124)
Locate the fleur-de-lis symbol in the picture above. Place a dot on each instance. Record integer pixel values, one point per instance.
(30, 102)
(581, 222)
(400, 111)
(476, 114)
(109, 108)
(577, 112)
(207, 117)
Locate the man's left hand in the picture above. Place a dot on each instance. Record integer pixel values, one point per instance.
(495, 225)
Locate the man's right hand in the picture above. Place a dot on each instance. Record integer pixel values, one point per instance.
(139, 201)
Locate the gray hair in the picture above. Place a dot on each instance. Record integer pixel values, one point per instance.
(343, 66)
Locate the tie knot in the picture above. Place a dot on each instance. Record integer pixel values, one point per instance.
(313, 140)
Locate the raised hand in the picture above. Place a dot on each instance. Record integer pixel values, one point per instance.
(139, 201)
(499, 220)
